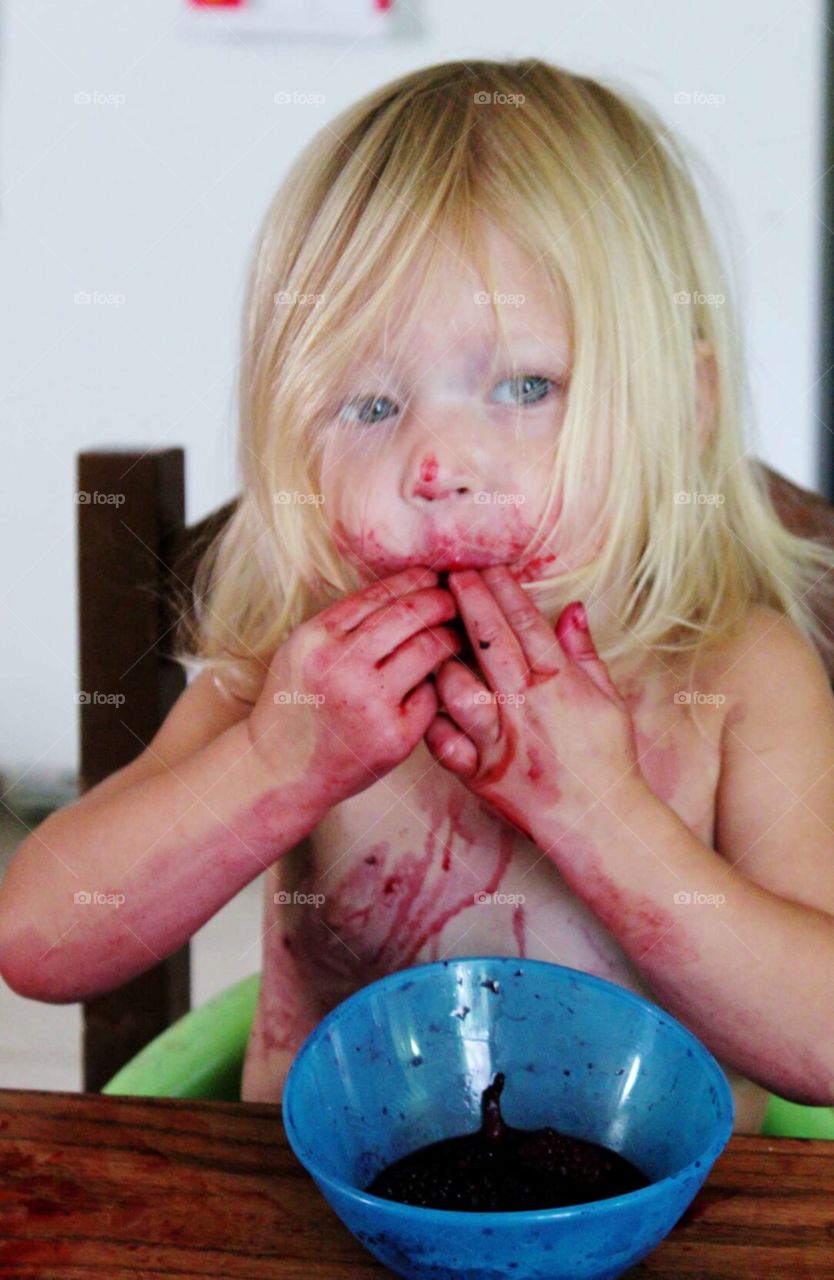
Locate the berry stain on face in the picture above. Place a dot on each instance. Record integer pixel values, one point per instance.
(428, 475)
(453, 546)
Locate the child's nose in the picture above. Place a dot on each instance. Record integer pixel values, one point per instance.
(434, 476)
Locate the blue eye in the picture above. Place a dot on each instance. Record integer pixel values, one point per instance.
(369, 410)
(369, 402)
(531, 394)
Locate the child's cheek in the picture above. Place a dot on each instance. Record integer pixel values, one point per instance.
(366, 552)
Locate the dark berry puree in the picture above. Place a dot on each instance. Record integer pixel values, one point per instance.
(500, 1168)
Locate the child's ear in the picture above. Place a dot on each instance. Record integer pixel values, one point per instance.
(706, 383)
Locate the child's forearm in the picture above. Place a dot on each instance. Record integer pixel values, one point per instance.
(749, 972)
(101, 892)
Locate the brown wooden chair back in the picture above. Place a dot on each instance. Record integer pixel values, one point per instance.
(134, 553)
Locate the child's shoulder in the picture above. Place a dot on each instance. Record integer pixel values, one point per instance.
(240, 684)
(765, 670)
(762, 621)
(768, 661)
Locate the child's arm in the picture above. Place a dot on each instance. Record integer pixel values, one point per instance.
(175, 834)
(739, 946)
(221, 792)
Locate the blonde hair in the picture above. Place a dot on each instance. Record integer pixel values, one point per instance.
(590, 182)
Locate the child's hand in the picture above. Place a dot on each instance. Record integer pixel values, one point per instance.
(548, 730)
(336, 699)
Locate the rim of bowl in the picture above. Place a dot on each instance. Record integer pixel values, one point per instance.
(701, 1164)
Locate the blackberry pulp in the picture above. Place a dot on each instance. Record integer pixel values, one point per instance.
(501, 1168)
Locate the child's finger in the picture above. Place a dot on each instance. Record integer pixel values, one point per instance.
(419, 655)
(344, 615)
(493, 639)
(531, 629)
(575, 638)
(419, 708)
(385, 629)
(451, 748)
(465, 700)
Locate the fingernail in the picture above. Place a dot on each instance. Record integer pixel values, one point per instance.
(580, 617)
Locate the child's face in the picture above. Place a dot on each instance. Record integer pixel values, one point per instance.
(427, 467)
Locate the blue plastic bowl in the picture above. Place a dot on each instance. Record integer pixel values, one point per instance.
(396, 1066)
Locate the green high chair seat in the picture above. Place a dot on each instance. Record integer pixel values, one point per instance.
(784, 1119)
(198, 1056)
(201, 1056)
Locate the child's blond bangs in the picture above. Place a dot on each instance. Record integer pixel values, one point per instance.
(593, 188)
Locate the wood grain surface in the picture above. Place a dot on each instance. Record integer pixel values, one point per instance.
(118, 1187)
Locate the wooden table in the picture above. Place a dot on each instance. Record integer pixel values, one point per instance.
(130, 1188)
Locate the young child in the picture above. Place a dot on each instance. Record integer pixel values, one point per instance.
(489, 372)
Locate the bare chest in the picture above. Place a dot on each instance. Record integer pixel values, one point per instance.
(417, 868)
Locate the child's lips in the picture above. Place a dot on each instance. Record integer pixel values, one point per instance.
(446, 555)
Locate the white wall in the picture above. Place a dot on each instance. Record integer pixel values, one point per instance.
(159, 199)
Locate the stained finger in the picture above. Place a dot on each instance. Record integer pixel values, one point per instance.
(468, 703)
(345, 614)
(451, 748)
(533, 632)
(576, 640)
(494, 644)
